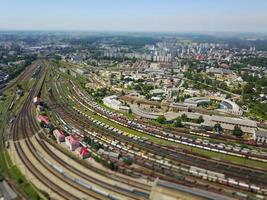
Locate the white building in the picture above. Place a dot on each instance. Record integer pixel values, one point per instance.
(260, 136)
(112, 102)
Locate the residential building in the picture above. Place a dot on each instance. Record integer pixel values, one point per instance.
(59, 135)
(72, 142)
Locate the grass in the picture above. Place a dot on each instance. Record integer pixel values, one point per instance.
(23, 184)
(30, 84)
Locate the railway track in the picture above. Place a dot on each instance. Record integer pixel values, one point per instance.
(138, 185)
(228, 165)
(25, 160)
(241, 173)
(99, 182)
(91, 179)
(27, 131)
(77, 121)
(156, 174)
(33, 151)
(82, 122)
(25, 75)
(83, 175)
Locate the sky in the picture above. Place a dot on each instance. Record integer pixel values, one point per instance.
(135, 15)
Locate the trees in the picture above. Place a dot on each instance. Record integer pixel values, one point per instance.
(218, 128)
(172, 71)
(200, 119)
(185, 85)
(127, 160)
(161, 119)
(228, 96)
(148, 96)
(178, 122)
(113, 166)
(184, 117)
(237, 131)
(248, 88)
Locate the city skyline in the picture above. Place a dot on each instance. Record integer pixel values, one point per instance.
(148, 16)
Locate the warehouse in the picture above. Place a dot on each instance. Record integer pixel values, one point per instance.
(112, 102)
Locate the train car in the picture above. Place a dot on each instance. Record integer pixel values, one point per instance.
(222, 180)
(212, 173)
(57, 168)
(240, 194)
(232, 182)
(83, 184)
(259, 197)
(190, 180)
(254, 188)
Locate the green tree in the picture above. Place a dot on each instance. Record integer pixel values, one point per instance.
(172, 72)
(113, 166)
(127, 161)
(178, 122)
(185, 85)
(184, 118)
(237, 131)
(228, 96)
(218, 128)
(200, 119)
(161, 119)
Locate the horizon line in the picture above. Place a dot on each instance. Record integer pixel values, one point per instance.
(133, 31)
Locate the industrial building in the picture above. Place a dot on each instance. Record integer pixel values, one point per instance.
(112, 102)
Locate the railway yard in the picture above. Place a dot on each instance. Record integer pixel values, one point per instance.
(69, 146)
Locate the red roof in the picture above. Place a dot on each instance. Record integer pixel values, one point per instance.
(43, 119)
(58, 133)
(72, 139)
(84, 151)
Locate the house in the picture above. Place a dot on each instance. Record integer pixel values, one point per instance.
(83, 152)
(59, 135)
(43, 119)
(72, 142)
